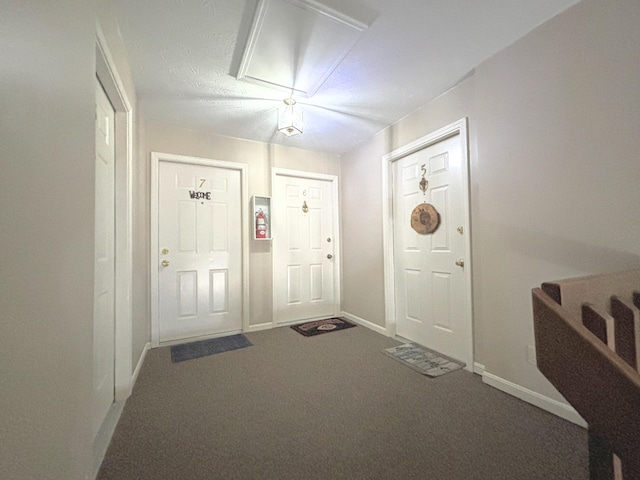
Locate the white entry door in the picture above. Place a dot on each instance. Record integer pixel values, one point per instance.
(304, 248)
(104, 261)
(200, 251)
(430, 287)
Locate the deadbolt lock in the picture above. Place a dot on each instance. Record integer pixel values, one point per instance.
(165, 251)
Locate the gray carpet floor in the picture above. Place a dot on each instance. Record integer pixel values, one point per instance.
(330, 407)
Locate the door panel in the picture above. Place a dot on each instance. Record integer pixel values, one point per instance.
(104, 261)
(303, 247)
(440, 240)
(428, 280)
(199, 231)
(187, 294)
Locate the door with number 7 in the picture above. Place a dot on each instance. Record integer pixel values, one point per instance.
(200, 252)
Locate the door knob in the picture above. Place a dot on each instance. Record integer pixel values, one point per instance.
(165, 263)
(460, 262)
(329, 256)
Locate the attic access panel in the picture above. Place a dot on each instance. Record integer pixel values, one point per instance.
(295, 45)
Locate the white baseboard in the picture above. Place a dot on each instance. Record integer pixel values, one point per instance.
(136, 372)
(348, 316)
(550, 405)
(260, 326)
(365, 323)
(103, 437)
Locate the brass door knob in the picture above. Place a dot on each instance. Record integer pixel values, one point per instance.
(329, 256)
(165, 263)
(460, 262)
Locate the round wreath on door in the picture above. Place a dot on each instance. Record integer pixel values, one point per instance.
(425, 218)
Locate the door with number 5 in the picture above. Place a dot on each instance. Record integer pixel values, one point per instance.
(430, 295)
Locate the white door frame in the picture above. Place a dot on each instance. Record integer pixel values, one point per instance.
(156, 158)
(455, 128)
(284, 172)
(108, 75)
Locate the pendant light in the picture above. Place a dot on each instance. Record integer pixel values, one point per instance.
(289, 118)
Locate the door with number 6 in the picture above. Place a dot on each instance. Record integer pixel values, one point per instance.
(305, 246)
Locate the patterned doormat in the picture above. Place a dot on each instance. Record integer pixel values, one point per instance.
(202, 348)
(316, 327)
(423, 360)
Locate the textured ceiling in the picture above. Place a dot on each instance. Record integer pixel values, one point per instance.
(297, 46)
(185, 56)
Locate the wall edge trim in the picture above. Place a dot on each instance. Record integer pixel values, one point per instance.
(365, 323)
(560, 409)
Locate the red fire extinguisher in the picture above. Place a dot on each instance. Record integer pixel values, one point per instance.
(261, 225)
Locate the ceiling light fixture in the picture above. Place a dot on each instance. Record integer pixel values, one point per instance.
(289, 118)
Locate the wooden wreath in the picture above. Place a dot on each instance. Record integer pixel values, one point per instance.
(425, 219)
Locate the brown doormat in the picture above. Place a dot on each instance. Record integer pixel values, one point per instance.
(316, 327)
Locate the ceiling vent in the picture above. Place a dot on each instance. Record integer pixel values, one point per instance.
(295, 45)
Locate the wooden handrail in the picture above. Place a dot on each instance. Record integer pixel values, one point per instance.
(597, 382)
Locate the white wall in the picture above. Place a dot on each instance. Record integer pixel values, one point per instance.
(47, 109)
(557, 170)
(260, 158)
(47, 150)
(361, 232)
(554, 175)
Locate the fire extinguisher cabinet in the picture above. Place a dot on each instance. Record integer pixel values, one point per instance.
(261, 218)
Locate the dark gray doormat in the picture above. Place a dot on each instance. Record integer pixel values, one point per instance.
(423, 360)
(316, 327)
(202, 348)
